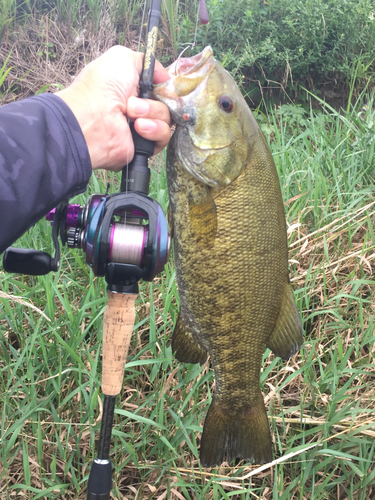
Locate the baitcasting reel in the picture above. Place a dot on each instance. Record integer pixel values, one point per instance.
(124, 237)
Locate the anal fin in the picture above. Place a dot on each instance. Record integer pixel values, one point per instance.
(186, 349)
(287, 337)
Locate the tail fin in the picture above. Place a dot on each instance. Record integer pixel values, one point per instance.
(243, 435)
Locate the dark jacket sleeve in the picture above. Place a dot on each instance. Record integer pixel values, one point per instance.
(43, 160)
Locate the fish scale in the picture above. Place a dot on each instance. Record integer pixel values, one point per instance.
(230, 250)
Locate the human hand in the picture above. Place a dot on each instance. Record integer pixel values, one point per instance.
(103, 95)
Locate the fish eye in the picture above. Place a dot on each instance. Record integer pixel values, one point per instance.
(226, 103)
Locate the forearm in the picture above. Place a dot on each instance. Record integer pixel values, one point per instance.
(43, 160)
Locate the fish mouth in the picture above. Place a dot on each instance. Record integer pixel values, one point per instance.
(181, 93)
(194, 66)
(187, 73)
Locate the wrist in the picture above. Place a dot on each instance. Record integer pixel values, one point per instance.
(75, 100)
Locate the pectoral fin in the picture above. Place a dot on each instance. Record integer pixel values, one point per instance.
(287, 336)
(203, 216)
(186, 349)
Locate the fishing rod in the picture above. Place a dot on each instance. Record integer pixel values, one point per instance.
(119, 315)
(125, 238)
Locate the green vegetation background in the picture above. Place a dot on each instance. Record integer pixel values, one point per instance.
(321, 403)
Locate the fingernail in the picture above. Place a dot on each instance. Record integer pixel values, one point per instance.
(140, 106)
(146, 125)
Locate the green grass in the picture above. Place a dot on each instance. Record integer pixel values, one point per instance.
(321, 403)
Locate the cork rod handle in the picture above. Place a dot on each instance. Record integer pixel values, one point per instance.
(118, 325)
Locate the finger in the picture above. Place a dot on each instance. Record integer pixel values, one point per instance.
(161, 75)
(154, 130)
(147, 108)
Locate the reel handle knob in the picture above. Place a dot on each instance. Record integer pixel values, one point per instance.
(28, 261)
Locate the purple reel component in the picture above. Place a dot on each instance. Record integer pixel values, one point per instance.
(51, 215)
(73, 216)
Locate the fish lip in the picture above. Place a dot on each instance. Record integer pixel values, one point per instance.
(198, 66)
(185, 66)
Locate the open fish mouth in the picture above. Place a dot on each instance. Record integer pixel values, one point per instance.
(194, 66)
(185, 93)
(187, 73)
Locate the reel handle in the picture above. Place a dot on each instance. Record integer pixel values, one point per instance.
(28, 261)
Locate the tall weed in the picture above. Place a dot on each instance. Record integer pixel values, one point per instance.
(170, 9)
(7, 15)
(4, 70)
(127, 15)
(95, 9)
(69, 10)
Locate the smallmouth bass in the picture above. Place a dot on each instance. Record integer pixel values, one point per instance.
(230, 249)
